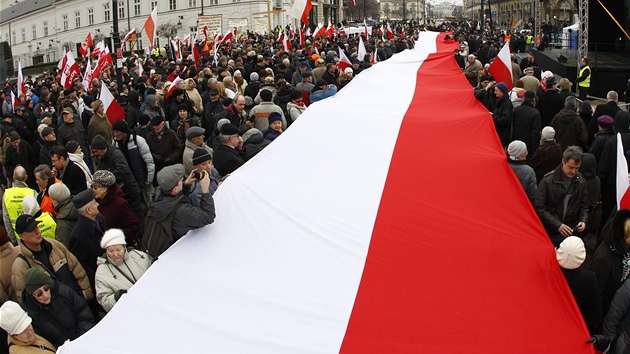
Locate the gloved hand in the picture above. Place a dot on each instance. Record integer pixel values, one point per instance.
(119, 293)
(600, 342)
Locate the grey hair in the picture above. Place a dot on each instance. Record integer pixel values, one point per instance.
(224, 138)
(570, 103)
(573, 152)
(612, 96)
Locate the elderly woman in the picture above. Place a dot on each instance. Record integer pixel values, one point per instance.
(21, 336)
(66, 212)
(113, 206)
(118, 269)
(59, 314)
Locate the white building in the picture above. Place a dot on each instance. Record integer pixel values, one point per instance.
(37, 30)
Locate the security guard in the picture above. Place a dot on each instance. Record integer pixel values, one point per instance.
(529, 42)
(12, 202)
(584, 79)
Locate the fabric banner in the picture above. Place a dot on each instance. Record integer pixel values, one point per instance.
(397, 225)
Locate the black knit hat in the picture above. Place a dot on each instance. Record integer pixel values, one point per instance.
(201, 155)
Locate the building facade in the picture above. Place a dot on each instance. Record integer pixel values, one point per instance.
(558, 13)
(39, 30)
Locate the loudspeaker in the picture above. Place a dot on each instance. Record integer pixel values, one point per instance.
(562, 59)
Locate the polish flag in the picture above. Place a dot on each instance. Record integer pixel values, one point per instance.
(98, 49)
(372, 260)
(300, 10)
(280, 37)
(21, 87)
(361, 52)
(85, 46)
(402, 33)
(195, 51)
(14, 102)
(374, 59)
(353, 2)
(302, 36)
(228, 37)
(501, 67)
(343, 62)
(319, 31)
(62, 62)
(623, 196)
(87, 76)
(205, 32)
(151, 25)
(70, 71)
(128, 36)
(286, 44)
(173, 86)
(177, 53)
(186, 40)
(380, 31)
(390, 33)
(113, 110)
(365, 30)
(330, 31)
(141, 71)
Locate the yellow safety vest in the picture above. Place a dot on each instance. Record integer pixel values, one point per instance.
(587, 82)
(13, 198)
(530, 39)
(47, 225)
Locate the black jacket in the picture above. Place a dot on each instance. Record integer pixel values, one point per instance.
(115, 162)
(585, 290)
(133, 109)
(85, 243)
(503, 115)
(570, 129)
(74, 178)
(526, 126)
(549, 104)
(227, 159)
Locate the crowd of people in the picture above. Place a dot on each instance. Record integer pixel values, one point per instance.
(88, 204)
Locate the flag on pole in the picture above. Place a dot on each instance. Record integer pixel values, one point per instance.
(623, 195)
(151, 25)
(14, 102)
(501, 67)
(361, 52)
(390, 33)
(330, 31)
(62, 62)
(365, 30)
(374, 59)
(85, 46)
(319, 31)
(21, 87)
(70, 71)
(186, 40)
(87, 76)
(99, 49)
(205, 32)
(300, 10)
(175, 49)
(128, 36)
(173, 86)
(113, 110)
(343, 62)
(228, 37)
(141, 71)
(286, 44)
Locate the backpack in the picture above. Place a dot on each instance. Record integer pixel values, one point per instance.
(158, 235)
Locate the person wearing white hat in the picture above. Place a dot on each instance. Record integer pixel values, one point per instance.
(517, 151)
(583, 282)
(21, 337)
(548, 155)
(118, 269)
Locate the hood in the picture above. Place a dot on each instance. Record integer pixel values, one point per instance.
(566, 116)
(133, 98)
(614, 231)
(162, 204)
(252, 136)
(150, 101)
(622, 122)
(188, 81)
(589, 166)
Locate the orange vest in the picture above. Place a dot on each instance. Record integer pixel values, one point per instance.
(46, 203)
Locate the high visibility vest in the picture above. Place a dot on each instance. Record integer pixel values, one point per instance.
(47, 225)
(13, 198)
(537, 39)
(530, 39)
(587, 82)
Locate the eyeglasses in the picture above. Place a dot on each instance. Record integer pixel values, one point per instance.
(40, 292)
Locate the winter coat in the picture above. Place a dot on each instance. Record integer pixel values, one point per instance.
(67, 316)
(599, 141)
(166, 150)
(254, 144)
(187, 217)
(526, 176)
(295, 111)
(188, 155)
(607, 164)
(99, 124)
(74, 178)
(271, 134)
(210, 110)
(8, 253)
(549, 202)
(526, 126)
(85, 242)
(194, 96)
(67, 216)
(72, 131)
(34, 347)
(503, 115)
(585, 290)
(80, 161)
(66, 268)
(114, 161)
(118, 213)
(617, 318)
(133, 109)
(227, 159)
(570, 129)
(549, 104)
(472, 72)
(261, 112)
(23, 158)
(139, 158)
(546, 158)
(112, 277)
(152, 108)
(320, 94)
(608, 259)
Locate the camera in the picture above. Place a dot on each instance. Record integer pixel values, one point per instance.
(198, 174)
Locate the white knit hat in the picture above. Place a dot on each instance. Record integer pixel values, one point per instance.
(517, 148)
(571, 253)
(113, 237)
(13, 319)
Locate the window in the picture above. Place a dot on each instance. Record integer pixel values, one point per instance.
(14, 37)
(136, 7)
(77, 19)
(90, 16)
(214, 2)
(121, 9)
(153, 5)
(172, 5)
(23, 34)
(106, 12)
(192, 3)
(45, 28)
(34, 31)
(65, 22)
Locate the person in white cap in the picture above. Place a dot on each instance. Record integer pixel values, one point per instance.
(547, 156)
(118, 269)
(582, 282)
(517, 151)
(21, 337)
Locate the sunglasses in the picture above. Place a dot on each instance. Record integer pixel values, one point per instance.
(40, 292)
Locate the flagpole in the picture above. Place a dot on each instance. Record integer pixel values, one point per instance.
(116, 39)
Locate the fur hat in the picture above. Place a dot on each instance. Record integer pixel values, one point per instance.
(13, 319)
(169, 176)
(229, 129)
(113, 237)
(516, 148)
(35, 278)
(571, 253)
(103, 178)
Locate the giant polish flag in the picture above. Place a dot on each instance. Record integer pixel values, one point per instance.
(407, 249)
(113, 110)
(623, 194)
(501, 67)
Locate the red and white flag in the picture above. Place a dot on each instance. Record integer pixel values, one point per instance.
(623, 195)
(62, 62)
(365, 30)
(228, 37)
(361, 52)
(319, 31)
(70, 71)
(173, 86)
(87, 76)
(402, 33)
(302, 36)
(353, 2)
(14, 102)
(186, 40)
(141, 71)
(351, 273)
(21, 87)
(85, 46)
(205, 33)
(300, 10)
(128, 36)
(374, 58)
(113, 110)
(99, 49)
(286, 44)
(501, 67)
(343, 62)
(330, 31)
(390, 33)
(150, 26)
